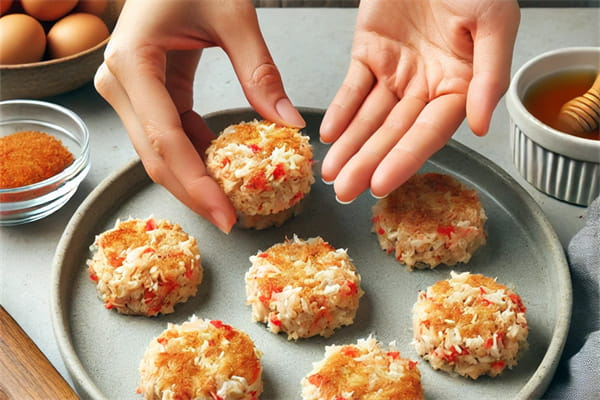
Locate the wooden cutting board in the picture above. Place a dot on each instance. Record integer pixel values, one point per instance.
(25, 373)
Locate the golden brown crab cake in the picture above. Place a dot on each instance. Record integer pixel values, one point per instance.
(201, 359)
(264, 168)
(365, 371)
(145, 266)
(431, 219)
(303, 288)
(470, 324)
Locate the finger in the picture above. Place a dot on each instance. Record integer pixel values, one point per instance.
(179, 78)
(431, 131)
(368, 119)
(258, 74)
(198, 131)
(211, 202)
(355, 176)
(492, 54)
(356, 86)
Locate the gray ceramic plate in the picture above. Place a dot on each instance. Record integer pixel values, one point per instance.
(102, 349)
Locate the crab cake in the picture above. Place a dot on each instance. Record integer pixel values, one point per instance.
(363, 371)
(145, 266)
(431, 219)
(264, 168)
(469, 324)
(201, 359)
(303, 288)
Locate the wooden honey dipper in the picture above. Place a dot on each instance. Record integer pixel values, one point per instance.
(582, 114)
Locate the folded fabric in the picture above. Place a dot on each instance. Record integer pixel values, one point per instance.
(578, 374)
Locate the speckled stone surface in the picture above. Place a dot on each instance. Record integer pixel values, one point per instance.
(312, 56)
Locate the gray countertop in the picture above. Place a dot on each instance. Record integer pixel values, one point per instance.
(311, 48)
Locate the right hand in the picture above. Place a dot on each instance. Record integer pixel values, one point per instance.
(147, 77)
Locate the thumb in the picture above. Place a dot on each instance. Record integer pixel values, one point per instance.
(259, 76)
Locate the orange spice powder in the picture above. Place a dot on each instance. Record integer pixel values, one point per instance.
(28, 157)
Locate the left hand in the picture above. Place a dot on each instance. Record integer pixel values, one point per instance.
(417, 68)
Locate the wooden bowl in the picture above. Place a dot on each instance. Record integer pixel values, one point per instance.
(52, 77)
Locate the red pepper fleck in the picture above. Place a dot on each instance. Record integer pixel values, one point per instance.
(169, 285)
(188, 273)
(220, 325)
(148, 250)
(263, 255)
(454, 353)
(412, 364)
(279, 171)
(426, 322)
(296, 198)
(115, 261)
(108, 305)
(380, 231)
(258, 181)
(393, 354)
(92, 275)
(445, 230)
(225, 162)
(375, 219)
(138, 390)
(150, 225)
(275, 321)
(352, 288)
(498, 364)
(216, 323)
(486, 302)
(517, 300)
(350, 351)
(211, 342)
(482, 290)
(162, 340)
(489, 343)
(215, 396)
(254, 147)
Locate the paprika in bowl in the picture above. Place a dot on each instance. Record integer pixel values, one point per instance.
(44, 156)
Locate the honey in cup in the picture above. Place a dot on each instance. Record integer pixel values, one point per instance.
(544, 98)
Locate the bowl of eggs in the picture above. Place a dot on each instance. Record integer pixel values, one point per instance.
(49, 47)
(558, 158)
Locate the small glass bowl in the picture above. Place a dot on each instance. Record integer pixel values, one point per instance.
(32, 202)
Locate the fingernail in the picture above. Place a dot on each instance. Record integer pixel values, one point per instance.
(322, 141)
(326, 181)
(221, 221)
(289, 114)
(377, 197)
(343, 202)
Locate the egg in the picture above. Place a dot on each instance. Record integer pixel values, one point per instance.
(75, 33)
(22, 39)
(95, 7)
(5, 5)
(48, 10)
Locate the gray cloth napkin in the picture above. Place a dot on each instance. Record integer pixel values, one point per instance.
(578, 374)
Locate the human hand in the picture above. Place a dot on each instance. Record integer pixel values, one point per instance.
(417, 68)
(147, 77)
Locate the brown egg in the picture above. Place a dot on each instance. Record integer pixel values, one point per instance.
(48, 10)
(5, 5)
(22, 39)
(95, 7)
(74, 33)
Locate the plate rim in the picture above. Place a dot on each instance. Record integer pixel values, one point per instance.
(535, 386)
